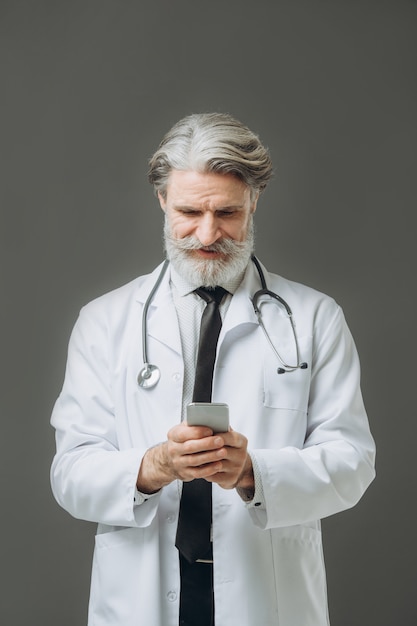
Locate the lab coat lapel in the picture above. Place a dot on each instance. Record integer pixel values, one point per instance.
(162, 323)
(161, 320)
(241, 311)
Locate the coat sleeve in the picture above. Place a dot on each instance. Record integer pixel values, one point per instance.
(336, 464)
(91, 477)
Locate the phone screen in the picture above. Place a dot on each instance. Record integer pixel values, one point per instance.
(215, 415)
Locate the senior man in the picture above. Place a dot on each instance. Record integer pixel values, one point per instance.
(198, 527)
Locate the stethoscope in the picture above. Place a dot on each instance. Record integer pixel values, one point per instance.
(150, 374)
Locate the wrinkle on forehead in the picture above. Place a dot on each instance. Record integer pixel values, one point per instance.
(207, 191)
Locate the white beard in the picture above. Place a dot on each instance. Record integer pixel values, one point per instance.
(209, 272)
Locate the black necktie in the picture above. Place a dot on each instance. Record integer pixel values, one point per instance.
(194, 522)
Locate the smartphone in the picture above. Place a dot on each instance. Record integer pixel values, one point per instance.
(215, 415)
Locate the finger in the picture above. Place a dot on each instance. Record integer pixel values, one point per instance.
(205, 458)
(234, 439)
(202, 471)
(206, 444)
(194, 454)
(182, 433)
(233, 465)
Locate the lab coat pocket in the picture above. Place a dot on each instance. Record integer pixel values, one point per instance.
(291, 389)
(300, 575)
(125, 575)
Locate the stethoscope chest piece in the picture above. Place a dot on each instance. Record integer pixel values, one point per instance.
(148, 376)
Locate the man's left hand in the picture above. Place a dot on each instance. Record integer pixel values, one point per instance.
(236, 470)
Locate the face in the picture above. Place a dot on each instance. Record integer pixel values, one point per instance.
(208, 226)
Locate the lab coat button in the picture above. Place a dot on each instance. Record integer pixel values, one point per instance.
(176, 376)
(170, 519)
(172, 596)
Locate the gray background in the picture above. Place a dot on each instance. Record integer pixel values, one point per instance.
(88, 89)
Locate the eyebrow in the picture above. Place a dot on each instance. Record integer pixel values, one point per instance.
(230, 207)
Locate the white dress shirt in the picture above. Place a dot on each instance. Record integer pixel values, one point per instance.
(190, 307)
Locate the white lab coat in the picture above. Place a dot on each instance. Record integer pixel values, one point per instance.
(307, 429)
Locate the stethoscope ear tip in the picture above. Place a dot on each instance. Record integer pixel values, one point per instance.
(284, 370)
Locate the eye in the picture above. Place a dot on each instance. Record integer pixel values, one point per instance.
(189, 212)
(227, 213)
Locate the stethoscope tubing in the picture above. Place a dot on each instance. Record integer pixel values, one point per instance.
(149, 375)
(286, 367)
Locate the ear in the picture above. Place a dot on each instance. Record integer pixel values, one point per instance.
(254, 203)
(162, 202)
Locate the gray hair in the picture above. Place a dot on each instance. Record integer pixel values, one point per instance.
(211, 142)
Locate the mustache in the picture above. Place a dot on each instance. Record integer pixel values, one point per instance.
(231, 261)
(223, 246)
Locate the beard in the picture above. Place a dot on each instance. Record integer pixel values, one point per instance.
(209, 272)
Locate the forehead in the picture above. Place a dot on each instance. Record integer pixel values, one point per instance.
(192, 188)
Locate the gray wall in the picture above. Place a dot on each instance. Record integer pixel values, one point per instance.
(88, 89)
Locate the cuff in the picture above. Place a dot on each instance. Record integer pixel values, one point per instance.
(258, 499)
(139, 497)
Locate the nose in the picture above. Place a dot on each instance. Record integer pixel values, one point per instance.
(208, 231)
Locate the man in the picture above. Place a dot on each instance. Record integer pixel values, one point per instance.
(299, 446)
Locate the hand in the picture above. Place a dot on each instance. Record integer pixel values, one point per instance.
(194, 452)
(190, 452)
(236, 470)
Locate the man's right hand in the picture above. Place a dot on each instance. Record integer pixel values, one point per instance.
(190, 452)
